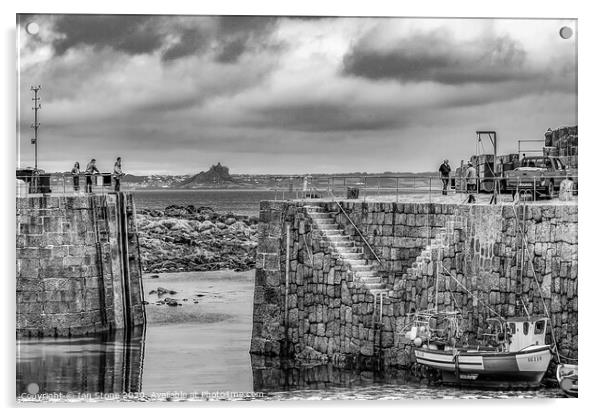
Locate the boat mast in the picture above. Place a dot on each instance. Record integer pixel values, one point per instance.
(438, 264)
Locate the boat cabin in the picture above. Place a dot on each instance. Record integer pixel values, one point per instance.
(522, 332)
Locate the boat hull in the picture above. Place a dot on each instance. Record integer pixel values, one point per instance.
(567, 376)
(488, 368)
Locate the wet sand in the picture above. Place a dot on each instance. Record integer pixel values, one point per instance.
(200, 346)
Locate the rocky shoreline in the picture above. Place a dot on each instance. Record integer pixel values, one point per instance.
(191, 238)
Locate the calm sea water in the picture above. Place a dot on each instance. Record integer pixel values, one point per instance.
(200, 351)
(242, 202)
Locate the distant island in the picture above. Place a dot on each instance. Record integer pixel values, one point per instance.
(218, 177)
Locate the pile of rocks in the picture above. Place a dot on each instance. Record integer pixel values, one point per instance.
(192, 238)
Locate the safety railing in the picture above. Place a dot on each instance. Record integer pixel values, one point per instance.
(393, 188)
(360, 234)
(46, 183)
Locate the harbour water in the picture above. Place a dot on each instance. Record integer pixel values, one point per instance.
(237, 201)
(211, 361)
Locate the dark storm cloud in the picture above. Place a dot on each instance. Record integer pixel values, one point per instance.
(320, 116)
(192, 40)
(231, 37)
(232, 50)
(436, 56)
(127, 33)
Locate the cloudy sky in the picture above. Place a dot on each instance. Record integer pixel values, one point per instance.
(175, 94)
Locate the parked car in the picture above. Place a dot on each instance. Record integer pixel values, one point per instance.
(540, 173)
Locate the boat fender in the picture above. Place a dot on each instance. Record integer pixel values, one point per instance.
(457, 363)
(418, 341)
(566, 384)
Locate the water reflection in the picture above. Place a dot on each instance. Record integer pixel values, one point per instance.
(285, 380)
(114, 364)
(271, 374)
(108, 363)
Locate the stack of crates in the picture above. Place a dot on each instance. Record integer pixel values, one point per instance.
(507, 162)
(562, 142)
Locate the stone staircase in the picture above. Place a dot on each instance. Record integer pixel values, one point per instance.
(424, 263)
(365, 271)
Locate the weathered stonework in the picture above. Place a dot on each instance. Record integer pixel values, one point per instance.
(324, 313)
(78, 267)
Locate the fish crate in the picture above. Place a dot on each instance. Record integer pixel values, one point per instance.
(549, 138)
(550, 151)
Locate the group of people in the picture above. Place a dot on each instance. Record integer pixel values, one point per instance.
(92, 170)
(470, 176)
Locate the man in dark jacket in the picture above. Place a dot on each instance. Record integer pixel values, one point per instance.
(444, 171)
(117, 174)
(91, 169)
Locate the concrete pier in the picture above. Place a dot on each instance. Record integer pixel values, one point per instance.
(78, 265)
(331, 303)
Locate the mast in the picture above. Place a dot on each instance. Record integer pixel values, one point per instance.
(438, 264)
(35, 125)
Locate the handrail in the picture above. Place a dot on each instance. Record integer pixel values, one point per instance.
(393, 186)
(358, 231)
(43, 183)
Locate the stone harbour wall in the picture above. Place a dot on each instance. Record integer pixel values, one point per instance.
(322, 312)
(78, 265)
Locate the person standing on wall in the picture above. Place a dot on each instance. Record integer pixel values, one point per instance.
(471, 182)
(117, 174)
(444, 170)
(75, 173)
(91, 169)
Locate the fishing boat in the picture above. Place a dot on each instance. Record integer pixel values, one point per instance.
(566, 374)
(510, 352)
(514, 353)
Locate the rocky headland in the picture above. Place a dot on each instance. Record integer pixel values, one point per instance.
(190, 238)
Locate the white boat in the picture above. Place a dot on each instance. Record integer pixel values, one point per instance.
(567, 376)
(515, 354)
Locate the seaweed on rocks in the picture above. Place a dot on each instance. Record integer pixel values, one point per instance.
(189, 238)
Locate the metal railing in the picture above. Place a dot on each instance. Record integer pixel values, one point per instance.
(361, 235)
(45, 183)
(388, 188)
(392, 188)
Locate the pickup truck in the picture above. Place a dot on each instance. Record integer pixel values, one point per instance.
(540, 173)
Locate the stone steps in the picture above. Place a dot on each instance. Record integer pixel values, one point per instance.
(346, 243)
(373, 286)
(328, 226)
(353, 257)
(374, 279)
(363, 270)
(321, 217)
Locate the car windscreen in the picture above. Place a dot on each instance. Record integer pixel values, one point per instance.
(536, 162)
(559, 164)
